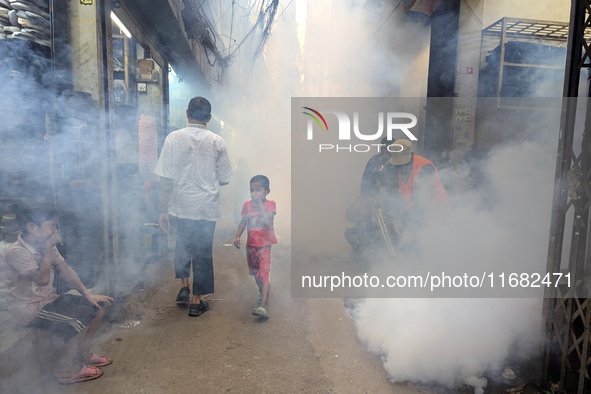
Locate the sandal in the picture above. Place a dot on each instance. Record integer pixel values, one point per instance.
(86, 373)
(260, 311)
(96, 360)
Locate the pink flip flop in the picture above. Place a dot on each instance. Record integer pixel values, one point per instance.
(96, 360)
(86, 373)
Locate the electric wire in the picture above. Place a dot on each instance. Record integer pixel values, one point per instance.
(222, 17)
(249, 7)
(232, 21)
(206, 32)
(284, 9)
(383, 23)
(256, 24)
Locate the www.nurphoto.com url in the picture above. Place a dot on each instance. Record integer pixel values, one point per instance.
(439, 281)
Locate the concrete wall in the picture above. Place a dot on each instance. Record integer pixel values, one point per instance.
(468, 66)
(550, 10)
(86, 56)
(476, 15)
(88, 77)
(177, 6)
(414, 84)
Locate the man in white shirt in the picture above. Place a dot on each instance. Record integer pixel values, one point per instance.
(193, 164)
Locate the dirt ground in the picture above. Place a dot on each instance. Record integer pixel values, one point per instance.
(307, 346)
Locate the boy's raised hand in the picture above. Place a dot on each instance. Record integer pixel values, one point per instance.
(53, 240)
(256, 200)
(237, 242)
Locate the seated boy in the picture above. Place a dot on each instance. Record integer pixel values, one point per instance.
(258, 215)
(30, 264)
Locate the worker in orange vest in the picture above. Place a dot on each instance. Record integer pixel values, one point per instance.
(414, 176)
(410, 189)
(406, 188)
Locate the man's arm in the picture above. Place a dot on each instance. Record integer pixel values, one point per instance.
(165, 169)
(74, 282)
(223, 164)
(166, 192)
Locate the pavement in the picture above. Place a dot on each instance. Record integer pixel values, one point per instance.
(306, 346)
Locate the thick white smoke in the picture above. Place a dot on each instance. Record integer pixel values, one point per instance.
(454, 341)
(447, 341)
(347, 52)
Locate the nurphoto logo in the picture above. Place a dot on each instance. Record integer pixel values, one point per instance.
(344, 132)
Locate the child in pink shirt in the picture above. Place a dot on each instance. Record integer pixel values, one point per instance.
(257, 216)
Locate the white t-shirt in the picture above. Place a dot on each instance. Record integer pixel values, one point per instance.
(197, 161)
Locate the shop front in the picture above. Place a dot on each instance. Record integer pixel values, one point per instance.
(84, 99)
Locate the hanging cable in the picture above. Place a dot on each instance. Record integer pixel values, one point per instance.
(259, 20)
(270, 12)
(232, 22)
(222, 17)
(285, 9)
(386, 20)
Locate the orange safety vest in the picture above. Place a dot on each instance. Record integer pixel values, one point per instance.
(407, 189)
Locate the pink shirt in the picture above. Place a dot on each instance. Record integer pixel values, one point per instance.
(259, 234)
(25, 298)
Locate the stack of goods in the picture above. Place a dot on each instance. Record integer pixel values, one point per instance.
(542, 77)
(9, 228)
(25, 20)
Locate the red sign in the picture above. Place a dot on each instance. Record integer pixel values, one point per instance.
(148, 139)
